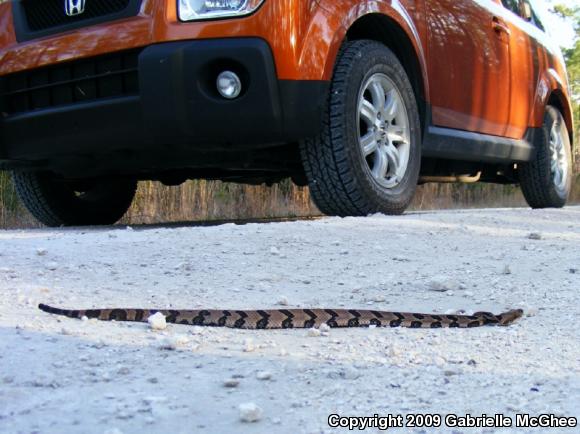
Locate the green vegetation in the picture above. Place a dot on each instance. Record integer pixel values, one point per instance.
(572, 55)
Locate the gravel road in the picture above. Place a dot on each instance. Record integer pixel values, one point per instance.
(59, 375)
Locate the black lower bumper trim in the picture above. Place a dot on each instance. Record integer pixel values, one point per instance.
(178, 106)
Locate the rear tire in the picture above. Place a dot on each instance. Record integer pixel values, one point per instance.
(368, 155)
(546, 181)
(55, 201)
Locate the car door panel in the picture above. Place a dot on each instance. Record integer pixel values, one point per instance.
(526, 55)
(469, 65)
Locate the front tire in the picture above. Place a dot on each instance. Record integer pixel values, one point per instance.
(546, 181)
(55, 201)
(368, 156)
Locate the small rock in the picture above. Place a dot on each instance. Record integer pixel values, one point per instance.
(157, 321)
(506, 270)
(314, 332)
(263, 375)
(122, 414)
(52, 266)
(155, 399)
(530, 311)
(99, 344)
(249, 345)
(183, 266)
(573, 270)
(324, 328)
(41, 252)
(173, 342)
(274, 251)
(535, 236)
(348, 373)
(250, 412)
(282, 301)
(443, 284)
(231, 383)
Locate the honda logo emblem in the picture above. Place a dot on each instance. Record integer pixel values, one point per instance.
(74, 7)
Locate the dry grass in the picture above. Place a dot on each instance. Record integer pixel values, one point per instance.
(211, 200)
(202, 200)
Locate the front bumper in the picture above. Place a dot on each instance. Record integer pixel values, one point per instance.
(176, 109)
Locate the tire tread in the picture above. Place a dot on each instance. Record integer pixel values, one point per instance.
(334, 186)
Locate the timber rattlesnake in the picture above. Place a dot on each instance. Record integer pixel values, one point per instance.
(295, 318)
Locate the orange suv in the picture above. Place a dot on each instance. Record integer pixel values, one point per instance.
(359, 99)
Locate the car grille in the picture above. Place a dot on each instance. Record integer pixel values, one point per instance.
(46, 14)
(110, 76)
(39, 18)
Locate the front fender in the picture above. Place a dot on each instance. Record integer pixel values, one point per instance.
(347, 12)
(553, 84)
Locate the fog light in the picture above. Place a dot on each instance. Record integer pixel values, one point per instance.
(229, 85)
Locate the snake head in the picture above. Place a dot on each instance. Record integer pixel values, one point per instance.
(510, 316)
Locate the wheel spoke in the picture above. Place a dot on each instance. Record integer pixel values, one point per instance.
(398, 134)
(381, 164)
(378, 94)
(391, 105)
(368, 113)
(558, 176)
(368, 143)
(563, 160)
(557, 134)
(393, 157)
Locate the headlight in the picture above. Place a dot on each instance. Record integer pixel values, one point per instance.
(190, 10)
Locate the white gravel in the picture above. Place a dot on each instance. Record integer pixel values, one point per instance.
(59, 375)
(250, 412)
(157, 321)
